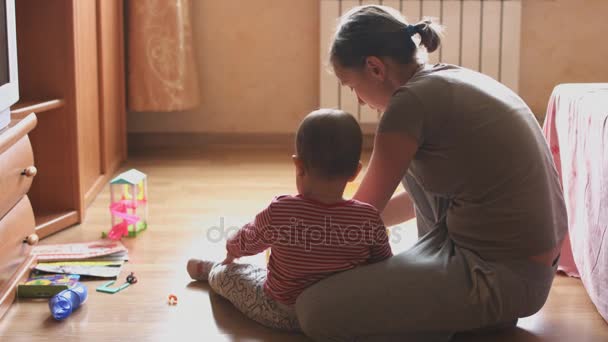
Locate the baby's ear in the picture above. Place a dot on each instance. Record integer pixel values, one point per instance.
(299, 164)
(354, 176)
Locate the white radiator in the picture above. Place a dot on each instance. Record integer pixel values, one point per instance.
(482, 35)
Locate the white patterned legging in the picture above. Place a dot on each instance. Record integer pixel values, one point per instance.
(243, 286)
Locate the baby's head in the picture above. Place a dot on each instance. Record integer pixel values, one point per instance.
(328, 146)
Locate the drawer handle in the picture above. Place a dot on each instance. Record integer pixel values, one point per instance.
(30, 171)
(32, 239)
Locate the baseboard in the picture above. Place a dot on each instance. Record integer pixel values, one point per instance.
(146, 141)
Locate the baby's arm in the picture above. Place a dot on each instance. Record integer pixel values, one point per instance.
(381, 248)
(252, 238)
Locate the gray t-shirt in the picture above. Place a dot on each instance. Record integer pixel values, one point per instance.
(481, 148)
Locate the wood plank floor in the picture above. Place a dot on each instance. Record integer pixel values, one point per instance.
(194, 196)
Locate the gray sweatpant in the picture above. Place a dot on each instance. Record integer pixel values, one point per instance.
(424, 294)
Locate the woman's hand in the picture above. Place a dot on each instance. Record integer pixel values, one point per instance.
(393, 152)
(229, 259)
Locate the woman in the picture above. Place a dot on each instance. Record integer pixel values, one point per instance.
(479, 178)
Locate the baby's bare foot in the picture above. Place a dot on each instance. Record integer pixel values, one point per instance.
(199, 269)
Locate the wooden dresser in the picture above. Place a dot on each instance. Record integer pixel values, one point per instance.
(17, 225)
(71, 74)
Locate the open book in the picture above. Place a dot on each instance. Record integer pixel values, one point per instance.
(79, 251)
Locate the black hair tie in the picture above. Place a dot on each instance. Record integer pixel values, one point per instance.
(411, 30)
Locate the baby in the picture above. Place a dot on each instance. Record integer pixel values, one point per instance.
(312, 235)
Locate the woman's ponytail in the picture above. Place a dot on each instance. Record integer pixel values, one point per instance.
(430, 34)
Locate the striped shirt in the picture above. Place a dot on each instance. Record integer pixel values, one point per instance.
(310, 241)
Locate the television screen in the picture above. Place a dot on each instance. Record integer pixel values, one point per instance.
(4, 75)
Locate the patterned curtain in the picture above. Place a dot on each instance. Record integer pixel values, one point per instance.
(161, 67)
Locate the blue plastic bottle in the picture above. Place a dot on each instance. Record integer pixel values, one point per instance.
(66, 301)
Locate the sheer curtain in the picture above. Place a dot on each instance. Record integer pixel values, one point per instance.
(161, 67)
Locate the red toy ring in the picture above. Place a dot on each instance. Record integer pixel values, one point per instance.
(172, 299)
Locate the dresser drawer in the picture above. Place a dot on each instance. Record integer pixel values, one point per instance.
(15, 226)
(13, 183)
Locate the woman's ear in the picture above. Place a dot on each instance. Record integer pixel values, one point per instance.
(297, 162)
(354, 176)
(376, 67)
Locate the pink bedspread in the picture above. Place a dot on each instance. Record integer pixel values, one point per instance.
(576, 128)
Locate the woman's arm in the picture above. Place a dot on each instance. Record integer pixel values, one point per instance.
(393, 152)
(399, 209)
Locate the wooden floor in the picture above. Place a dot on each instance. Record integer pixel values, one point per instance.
(193, 196)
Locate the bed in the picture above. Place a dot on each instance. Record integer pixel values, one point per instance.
(576, 128)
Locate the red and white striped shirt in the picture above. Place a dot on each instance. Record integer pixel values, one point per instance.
(310, 241)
